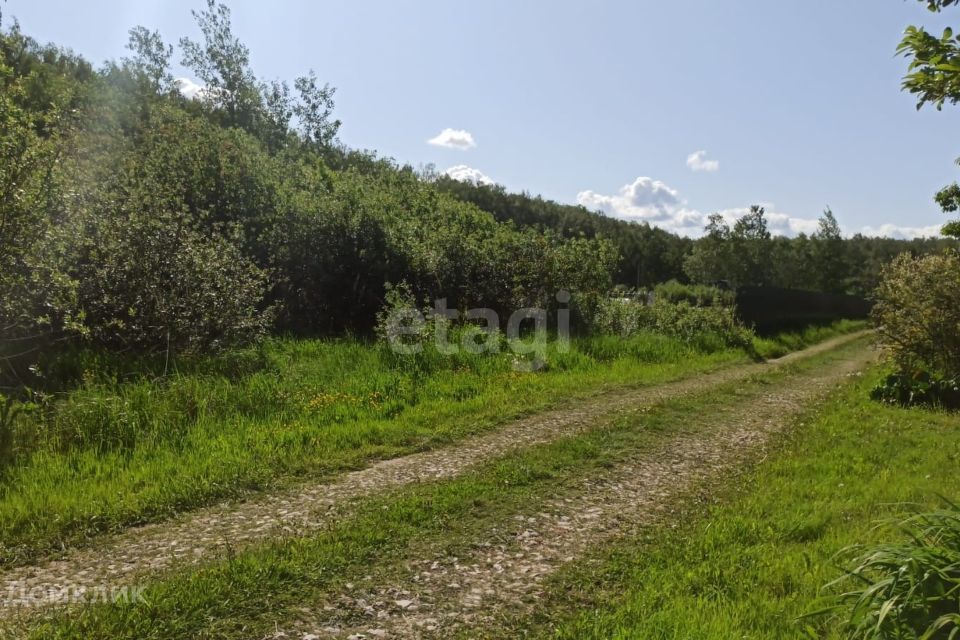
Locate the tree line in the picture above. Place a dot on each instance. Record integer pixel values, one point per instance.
(742, 253)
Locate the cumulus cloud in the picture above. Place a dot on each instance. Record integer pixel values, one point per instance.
(463, 173)
(779, 224)
(697, 161)
(189, 89)
(453, 139)
(647, 200)
(652, 201)
(643, 199)
(903, 233)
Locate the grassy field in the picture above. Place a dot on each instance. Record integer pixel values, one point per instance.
(752, 565)
(242, 594)
(120, 450)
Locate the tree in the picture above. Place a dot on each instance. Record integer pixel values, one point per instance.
(751, 248)
(222, 63)
(918, 312)
(314, 111)
(151, 59)
(265, 109)
(710, 259)
(933, 74)
(827, 255)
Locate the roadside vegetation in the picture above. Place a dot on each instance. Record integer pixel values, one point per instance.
(138, 221)
(122, 448)
(247, 591)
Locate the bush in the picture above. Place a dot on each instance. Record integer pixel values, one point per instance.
(918, 313)
(696, 325)
(150, 282)
(622, 316)
(909, 589)
(704, 327)
(697, 295)
(919, 387)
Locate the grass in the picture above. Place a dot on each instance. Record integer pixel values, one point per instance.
(754, 563)
(906, 588)
(243, 594)
(783, 343)
(122, 450)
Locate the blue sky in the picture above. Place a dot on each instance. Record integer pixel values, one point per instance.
(795, 104)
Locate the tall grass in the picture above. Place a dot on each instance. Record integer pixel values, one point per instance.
(121, 448)
(785, 342)
(907, 589)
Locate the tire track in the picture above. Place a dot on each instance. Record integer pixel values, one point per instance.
(502, 574)
(123, 559)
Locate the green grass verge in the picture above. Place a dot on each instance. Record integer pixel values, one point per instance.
(245, 594)
(783, 343)
(116, 452)
(753, 564)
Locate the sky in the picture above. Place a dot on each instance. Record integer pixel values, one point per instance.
(646, 110)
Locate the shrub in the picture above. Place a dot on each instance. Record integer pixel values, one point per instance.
(908, 589)
(698, 295)
(918, 313)
(149, 282)
(695, 325)
(704, 327)
(622, 316)
(919, 387)
(418, 348)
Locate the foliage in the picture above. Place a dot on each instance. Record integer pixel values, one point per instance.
(697, 295)
(908, 589)
(918, 388)
(621, 316)
(144, 219)
(648, 254)
(9, 410)
(677, 317)
(933, 75)
(264, 109)
(917, 313)
(244, 195)
(823, 261)
(157, 282)
(738, 256)
(828, 260)
(696, 325)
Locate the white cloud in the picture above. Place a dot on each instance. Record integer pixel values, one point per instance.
(652, 201)
(647, 200)
(779, 224)
(903, 233)
(697, 162)
(189, 89)
(463, 173)
(643, 199)
(453, 139)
